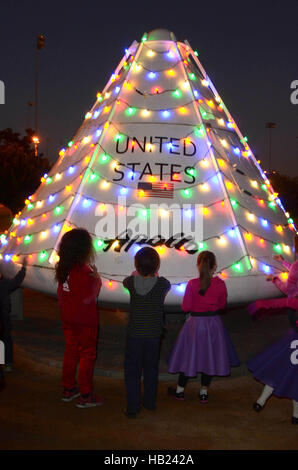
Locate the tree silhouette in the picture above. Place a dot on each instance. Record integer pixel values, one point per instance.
(20, 169)
(287, 189)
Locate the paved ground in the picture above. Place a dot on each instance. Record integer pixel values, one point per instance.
(33, 417)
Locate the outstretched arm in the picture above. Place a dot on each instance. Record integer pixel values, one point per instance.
(14, 283)
(290, 287)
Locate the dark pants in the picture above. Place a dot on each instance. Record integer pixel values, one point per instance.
(205, 380)
(141, 355)
(5, 336)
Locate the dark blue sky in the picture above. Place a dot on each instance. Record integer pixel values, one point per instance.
(249, 50)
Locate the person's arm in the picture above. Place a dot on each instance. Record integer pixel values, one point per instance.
(281, 259)
(187, 299)
(126, 282)
(286, 264)
(290, 288)
(14, 283)
(167, 287)
(223, 296)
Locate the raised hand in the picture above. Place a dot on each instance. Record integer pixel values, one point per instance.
(278, 258)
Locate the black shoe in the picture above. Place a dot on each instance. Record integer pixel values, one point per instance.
(203, 397)
(257, 407)
(294, 420)
(174, 394)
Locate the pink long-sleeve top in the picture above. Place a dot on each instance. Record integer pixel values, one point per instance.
(215, 297)
(290, 288)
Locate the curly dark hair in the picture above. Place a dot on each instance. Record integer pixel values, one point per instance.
(76, 248)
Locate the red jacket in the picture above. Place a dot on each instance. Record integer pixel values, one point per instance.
(77, 297)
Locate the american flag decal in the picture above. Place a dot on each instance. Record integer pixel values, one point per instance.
(161, 189)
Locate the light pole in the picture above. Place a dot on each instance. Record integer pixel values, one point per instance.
(35, 140)
(39, 45)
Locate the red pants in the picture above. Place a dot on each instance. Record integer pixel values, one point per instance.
(80, 347)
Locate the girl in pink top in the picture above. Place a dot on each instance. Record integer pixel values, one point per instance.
(203, 344)
(290, 288)
(277, 366)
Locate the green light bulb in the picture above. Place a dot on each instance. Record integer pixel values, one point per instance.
(177, 94)
(58, 210)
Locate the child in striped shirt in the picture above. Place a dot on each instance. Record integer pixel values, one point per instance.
(147, 295)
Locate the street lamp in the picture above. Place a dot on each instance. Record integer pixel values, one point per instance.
(35, 140)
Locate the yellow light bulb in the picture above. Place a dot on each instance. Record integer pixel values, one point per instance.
(105, 185)
(221, 162)
(222, 241)
(163, 212)
(204, 187)
(145, 113)
(204, 163)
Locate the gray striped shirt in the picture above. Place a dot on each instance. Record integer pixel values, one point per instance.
(146, 311)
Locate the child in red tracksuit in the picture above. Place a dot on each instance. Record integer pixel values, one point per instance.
(78, 287)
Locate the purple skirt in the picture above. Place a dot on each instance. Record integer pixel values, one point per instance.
(277, 366)
(203, 345)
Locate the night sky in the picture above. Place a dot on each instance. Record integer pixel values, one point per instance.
(248, 48)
